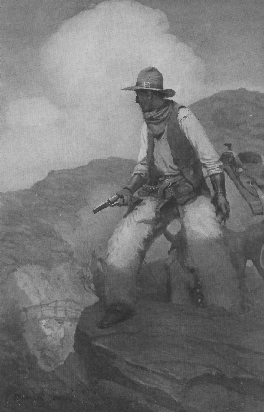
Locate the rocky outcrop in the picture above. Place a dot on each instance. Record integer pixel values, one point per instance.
(50, 304)
(45, 252)
(178, 359)
(233, 116)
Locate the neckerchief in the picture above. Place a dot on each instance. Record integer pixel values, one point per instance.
(158, 119)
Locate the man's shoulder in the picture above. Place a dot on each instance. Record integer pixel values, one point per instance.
(179, 107)
(182, 111)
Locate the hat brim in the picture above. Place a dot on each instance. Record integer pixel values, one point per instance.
(165, 92)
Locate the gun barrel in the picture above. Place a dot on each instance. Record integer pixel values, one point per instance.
(104, 205)
(100, 207)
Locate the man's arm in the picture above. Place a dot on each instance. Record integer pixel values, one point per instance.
(209, 158)
(195, 133)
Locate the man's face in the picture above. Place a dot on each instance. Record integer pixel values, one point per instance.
(143, 98)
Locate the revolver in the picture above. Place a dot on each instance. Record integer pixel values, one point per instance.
(111, 201)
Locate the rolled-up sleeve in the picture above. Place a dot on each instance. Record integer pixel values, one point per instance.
(195, 133)
(142, 167)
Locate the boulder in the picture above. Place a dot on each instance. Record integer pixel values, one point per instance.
(50, 304)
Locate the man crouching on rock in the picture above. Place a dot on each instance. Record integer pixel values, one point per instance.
(173, 153)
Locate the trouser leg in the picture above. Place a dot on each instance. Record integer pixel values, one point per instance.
(127, 248)
(179, 279)
(209, 254)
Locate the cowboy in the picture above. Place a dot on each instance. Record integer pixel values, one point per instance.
(174, 155)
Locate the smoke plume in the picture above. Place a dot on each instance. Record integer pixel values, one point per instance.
(81, 112)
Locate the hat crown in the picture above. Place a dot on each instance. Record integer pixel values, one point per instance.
(150, 78)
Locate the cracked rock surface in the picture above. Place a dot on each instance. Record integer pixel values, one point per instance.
(180, 359)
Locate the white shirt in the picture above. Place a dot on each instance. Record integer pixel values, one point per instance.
(163, 160)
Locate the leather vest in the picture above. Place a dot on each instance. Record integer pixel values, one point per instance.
(183, 154)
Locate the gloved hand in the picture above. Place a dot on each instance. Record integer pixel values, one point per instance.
(126, 197)
(222, 207)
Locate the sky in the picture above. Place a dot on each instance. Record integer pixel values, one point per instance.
(64, 62)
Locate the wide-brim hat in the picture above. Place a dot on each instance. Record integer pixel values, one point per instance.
(151, 79)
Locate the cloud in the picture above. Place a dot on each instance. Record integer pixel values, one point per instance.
(82, 113)
(99, 50)
(31, 112)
